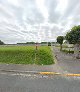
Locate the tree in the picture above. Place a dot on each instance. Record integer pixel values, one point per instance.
(73, 37)
(60, 41)
(49, 43)
(1, 43)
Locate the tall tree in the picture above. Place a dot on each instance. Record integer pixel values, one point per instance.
(1, 43)
(73, 37)
(60, 41)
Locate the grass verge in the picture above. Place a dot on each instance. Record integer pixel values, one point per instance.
(26, 55)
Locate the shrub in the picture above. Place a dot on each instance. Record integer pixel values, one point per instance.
(68, 51)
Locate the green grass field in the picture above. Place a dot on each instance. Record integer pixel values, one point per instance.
(26, 55)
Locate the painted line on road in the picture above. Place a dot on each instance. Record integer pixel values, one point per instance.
(19, 71)
(54, 73)
(49, 73)
(42, 73)
(76, 75)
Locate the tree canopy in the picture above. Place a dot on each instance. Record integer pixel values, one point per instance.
(1, 43)
(73, 36)
(60, 39)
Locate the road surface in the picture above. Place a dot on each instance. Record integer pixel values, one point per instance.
(17, 82)
(67, 62)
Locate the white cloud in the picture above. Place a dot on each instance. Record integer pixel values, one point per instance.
(62, 5)
(14, 2)
(43, 8)
(37, 20)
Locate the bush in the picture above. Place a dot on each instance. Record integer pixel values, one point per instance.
(68, 51)
(49, 43)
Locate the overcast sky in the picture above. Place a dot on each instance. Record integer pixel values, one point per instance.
(37, 20)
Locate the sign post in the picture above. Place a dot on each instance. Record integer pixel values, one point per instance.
(36, 46)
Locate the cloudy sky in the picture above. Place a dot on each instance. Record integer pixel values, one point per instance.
(37, 20)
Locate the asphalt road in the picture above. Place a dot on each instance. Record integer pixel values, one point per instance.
(11, 82)
(67, 62)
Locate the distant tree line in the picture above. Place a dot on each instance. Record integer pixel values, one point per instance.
(30, 42)
(35, 42)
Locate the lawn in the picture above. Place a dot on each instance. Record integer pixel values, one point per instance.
(26, 55)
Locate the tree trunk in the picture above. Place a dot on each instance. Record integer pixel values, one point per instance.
(76, 51)
(60, 47)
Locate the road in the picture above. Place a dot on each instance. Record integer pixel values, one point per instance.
(67, 62)
(17, 82)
